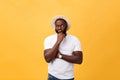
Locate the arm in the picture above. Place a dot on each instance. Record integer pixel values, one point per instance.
(50, 54)
(77, 57)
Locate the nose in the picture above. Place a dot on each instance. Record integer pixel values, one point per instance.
(59, 27)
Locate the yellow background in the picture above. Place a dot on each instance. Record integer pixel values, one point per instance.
(25, 23)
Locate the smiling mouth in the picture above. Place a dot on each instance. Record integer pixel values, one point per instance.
(59, 30)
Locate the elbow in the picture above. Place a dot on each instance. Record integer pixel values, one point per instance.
(47, 60)
(80, 61)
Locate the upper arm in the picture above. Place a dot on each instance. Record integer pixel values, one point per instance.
(79, 56)
(77, 53)
(47, 50)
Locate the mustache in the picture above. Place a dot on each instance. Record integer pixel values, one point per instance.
(64, 31)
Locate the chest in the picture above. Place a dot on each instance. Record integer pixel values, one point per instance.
(66, 47)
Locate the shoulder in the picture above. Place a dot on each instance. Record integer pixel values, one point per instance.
(50, 37)
(73, 37)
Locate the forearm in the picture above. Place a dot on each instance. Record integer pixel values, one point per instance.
(73, 58)
(51, 53)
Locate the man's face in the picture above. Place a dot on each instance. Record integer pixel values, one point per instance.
(60, 26)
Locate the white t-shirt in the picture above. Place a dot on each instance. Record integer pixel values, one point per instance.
(59, 67)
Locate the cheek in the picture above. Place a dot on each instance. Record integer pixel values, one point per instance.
(65, 29)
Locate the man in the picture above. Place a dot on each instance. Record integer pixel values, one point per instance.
(62, 51)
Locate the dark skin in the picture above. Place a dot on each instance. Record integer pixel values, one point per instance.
(53, 53)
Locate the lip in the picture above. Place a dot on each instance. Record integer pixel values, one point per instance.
(59, 30)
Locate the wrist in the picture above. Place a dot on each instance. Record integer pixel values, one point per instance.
(60, 56)
(58, 42)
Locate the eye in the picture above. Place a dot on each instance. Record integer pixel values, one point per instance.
(62, 26)
(56, 25)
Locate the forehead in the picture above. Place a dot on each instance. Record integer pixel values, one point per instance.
(60, 21)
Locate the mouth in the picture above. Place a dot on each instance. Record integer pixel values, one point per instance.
(59, 31)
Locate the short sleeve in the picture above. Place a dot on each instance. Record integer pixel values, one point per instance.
(77, 45)
(47, 44)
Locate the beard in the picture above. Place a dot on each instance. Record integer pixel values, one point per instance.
(64, 31)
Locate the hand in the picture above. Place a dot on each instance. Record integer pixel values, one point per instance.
(60, 37)
(57, 56)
